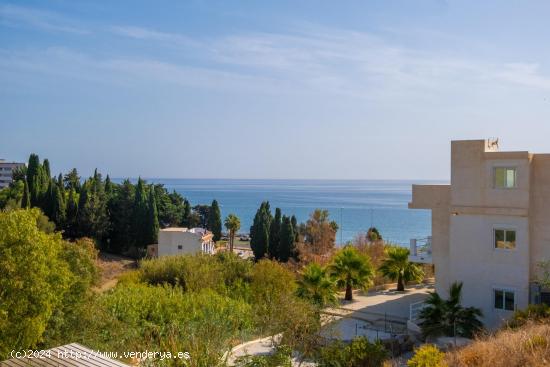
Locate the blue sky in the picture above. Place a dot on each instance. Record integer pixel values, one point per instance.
(279, 89)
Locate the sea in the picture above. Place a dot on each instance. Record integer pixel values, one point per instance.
(355, 205)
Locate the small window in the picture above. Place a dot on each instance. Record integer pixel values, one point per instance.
(504, 300)
(505, 178)
(505, 239)
(180, 247)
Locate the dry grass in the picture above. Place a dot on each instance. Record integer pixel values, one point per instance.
(528, 345)
(111, 267)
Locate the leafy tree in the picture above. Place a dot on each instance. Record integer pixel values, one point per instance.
(449, 317)
(398, 267)
(153, 222)
(275, 235)
(215, 220)
(259, 231)
(286, 240)
(203, 212)
(351, 270)
(34, 279)
(317, 286)
(373, 234)
(233, 224)
(320, 233)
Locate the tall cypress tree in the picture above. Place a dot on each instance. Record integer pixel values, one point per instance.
(46, 167)
(58, 207)
(259, 231)
(121, 209)
(294, 223)
(140, 217)
(215, 220)
(153, 219)
(287, 245)
(274, 235)
(71, 214)
(33, 179)
(26, 200)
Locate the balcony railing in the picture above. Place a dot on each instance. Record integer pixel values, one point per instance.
(421, 250)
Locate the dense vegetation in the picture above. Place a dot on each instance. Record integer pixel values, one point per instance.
(123, 218)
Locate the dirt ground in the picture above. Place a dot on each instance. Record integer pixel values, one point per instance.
(111, 266)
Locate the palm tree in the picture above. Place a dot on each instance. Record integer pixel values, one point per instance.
(317, 286)
(449, 317)
(398, 267)
(351, 270)
(233, 224)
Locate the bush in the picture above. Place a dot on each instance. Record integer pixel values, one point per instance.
(531, 313)
(427, 356)
(359, 353)
(281, 358)
(34, 279)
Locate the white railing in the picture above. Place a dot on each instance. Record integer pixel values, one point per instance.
(414, 310)
(421, 250)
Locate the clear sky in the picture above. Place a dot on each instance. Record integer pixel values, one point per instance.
(270, 89)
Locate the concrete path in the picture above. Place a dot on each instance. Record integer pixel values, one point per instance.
(364, 316)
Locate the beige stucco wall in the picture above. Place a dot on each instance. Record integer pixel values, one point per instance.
(168, 242)
(465, 214)
(475, 262)
(539, 211)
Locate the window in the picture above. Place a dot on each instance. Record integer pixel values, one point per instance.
(180, 247)
(504, 300)
(505, 178)
(505, 239)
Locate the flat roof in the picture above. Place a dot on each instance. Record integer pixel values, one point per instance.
(70, 355)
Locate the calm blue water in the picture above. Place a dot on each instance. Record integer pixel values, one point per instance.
(355, 205)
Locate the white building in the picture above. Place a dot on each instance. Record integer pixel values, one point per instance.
(490, 227)
(180, 241)
(6, 171)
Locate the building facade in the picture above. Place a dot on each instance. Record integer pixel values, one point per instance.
(6, 171)
(182, 241)
(490, 227)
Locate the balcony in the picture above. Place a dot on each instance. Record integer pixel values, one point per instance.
(421, 250)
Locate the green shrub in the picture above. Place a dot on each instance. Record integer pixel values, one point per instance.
(34, 279)
(531, 313)
(281, 358)
(427, 356)
(360, 352)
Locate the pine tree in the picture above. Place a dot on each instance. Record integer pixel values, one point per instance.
(259, 231)
(153, 220)
(26, 200)
(72, 180)
(287, 246)
(274, 235)
(121, 213)
(215, 220)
